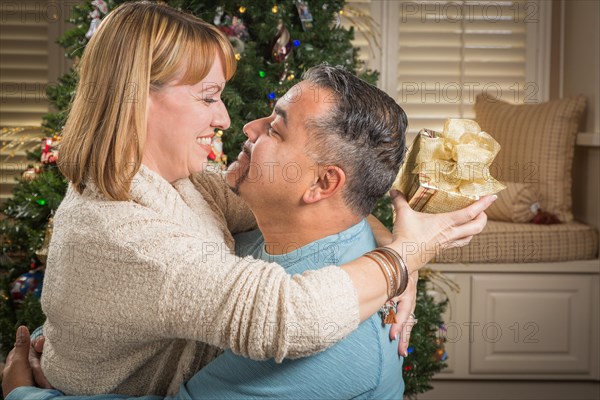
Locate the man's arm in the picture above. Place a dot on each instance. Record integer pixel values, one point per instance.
(382, 235)
(236, 212)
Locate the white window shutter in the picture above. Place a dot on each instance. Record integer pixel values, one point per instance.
(450, 51)
(24, 42)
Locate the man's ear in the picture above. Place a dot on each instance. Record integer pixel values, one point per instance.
(330, 180)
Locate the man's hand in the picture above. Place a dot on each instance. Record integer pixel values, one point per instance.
(418, 237)
(402, 328)
(35, 357)
(17, 371)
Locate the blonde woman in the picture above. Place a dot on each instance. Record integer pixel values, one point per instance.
(141, 287)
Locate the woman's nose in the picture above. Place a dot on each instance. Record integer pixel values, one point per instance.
(221, 117)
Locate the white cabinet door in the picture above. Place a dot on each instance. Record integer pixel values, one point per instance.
(532, 324)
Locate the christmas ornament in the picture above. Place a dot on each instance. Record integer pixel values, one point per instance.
(440, 353)
(217, 160)
(30, 174)
(306, 17)
(275, 9)
(282, 46)
(236, 32)
(218, 15)
(242, 9)
(50, 150)
(284, 74)
(29, 282)
(337, 20)
(100, 9)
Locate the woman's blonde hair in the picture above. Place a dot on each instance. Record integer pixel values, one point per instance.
(138, 48)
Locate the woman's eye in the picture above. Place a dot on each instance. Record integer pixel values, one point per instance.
(272, 131)
(209, 101)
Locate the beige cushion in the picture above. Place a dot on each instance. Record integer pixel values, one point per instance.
(519, 202)
(537, 142)
(508, 242)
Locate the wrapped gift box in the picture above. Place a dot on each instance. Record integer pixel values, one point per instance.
(449, 170)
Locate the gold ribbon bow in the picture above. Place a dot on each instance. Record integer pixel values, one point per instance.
(458, 159)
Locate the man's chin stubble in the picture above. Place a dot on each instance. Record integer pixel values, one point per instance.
(240, 176)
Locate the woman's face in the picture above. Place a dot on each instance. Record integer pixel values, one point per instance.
(181, 123)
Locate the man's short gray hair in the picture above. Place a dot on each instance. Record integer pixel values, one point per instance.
(363, 134)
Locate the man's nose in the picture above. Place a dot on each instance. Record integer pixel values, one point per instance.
(251, 129)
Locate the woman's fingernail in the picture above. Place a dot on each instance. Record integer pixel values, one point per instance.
(494, 197)
(396, 336)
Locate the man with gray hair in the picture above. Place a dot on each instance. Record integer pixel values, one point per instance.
(333, 145)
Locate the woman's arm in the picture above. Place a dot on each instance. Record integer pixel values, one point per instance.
(417, 237)
(237, 214)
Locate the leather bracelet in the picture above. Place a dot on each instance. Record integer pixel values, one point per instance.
(391, 271)
(388, 277)
(402, 267)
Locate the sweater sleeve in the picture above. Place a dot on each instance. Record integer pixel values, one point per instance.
(237, 214)
(254, 307)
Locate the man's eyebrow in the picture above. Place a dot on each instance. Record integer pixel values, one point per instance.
(281, 113)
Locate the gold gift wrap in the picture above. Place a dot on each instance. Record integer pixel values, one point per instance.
(449, 170)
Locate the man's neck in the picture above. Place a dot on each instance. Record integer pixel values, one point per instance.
(297, 229)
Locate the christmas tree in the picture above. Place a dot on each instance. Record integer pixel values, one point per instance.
(275, 42)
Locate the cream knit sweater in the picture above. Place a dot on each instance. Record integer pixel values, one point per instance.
(132, 288)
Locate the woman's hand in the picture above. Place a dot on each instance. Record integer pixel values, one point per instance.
(403, 326)
(17, 371)
(418, 237)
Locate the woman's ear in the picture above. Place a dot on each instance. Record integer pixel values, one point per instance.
(330, 180)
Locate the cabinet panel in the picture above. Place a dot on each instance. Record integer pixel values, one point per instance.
(528, 323)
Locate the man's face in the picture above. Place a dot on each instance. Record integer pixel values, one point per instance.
(273, 169)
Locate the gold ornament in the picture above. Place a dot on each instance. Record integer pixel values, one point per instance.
(242, 9)
(291, 77)
(275, 9)
(29, 174)
(238, 56)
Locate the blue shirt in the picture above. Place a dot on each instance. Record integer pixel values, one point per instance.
(365, 365)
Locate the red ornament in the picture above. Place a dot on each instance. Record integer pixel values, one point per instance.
(49, 150)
